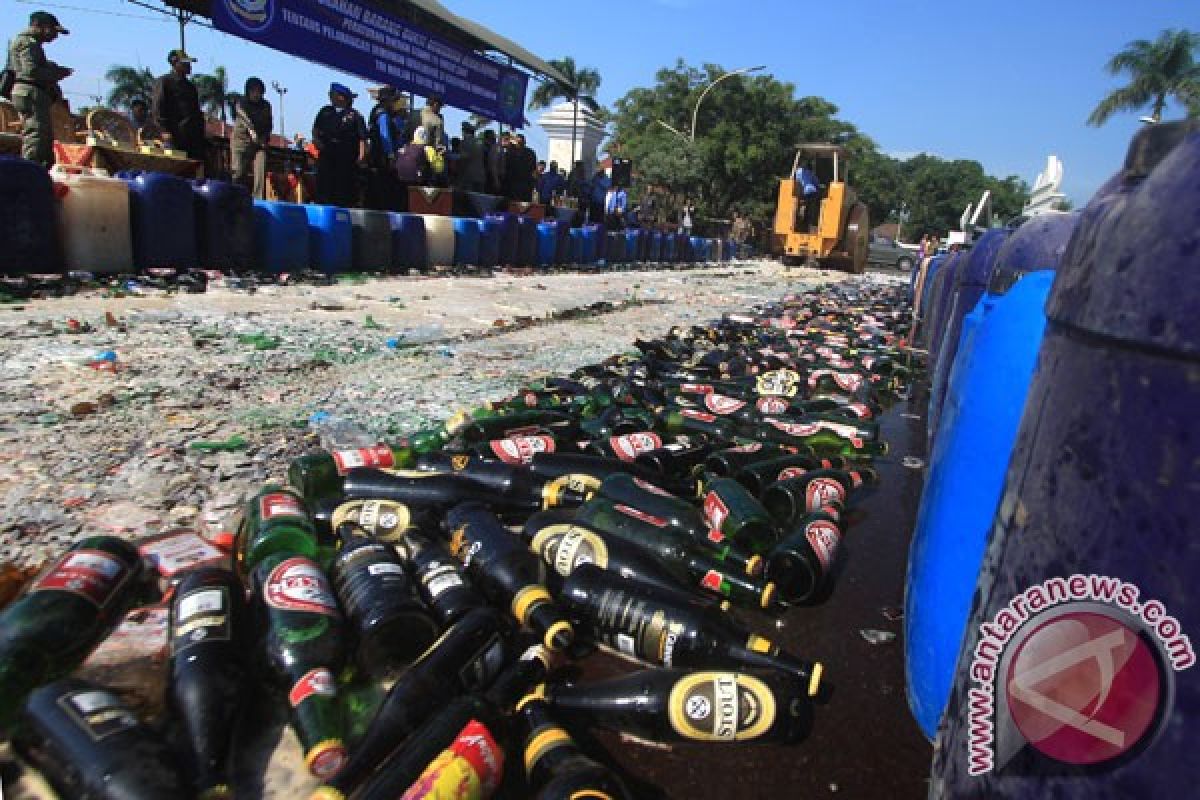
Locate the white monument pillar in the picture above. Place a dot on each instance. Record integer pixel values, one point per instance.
(559, 122)
(1046, 192)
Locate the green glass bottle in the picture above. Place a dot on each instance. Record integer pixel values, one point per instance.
(692, 420)
(818, 436)
(319, 475)
(275, 520)
(729, 507)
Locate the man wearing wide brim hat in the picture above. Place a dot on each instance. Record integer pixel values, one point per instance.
(35, 89)
(340, 136)
(176, 104)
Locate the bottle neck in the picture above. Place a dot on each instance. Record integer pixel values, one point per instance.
(547, 745)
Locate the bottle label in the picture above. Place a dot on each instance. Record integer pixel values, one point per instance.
(712, 580)
(298, 584)
(721, 707)
(794, 428)
(91, 574)
(847, 432)
(697, 415)
(99, 713)
(628, 511)
(752, 447)
(822, 492)
(319, 682)
(565, 547)
(385, 569)
(825, 538)
(177, 552)
(652, 489)
(469, 769)
(848, 381)
(771, 404)
(279, 504)
(483, 667)
(780, 382)
(787, 473)
(441, 579)
(629, 446)
(715, 510)
(696, 388)
(516, 433)
(715, 536)
(518, 450)
(386, 520)
(378, 457)
(861, 410)
(201, 615)
(720, 404)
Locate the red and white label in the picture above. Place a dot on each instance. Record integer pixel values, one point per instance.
(771, 404)
(696, 388)
(847, 432)
(471, 768)
(629, 446)
(824, 537)
(299, 585)
(869, 361)
(787, 473)
(823, 492)
(720, 404)
(752, 447)
(174, 553)
(319, 681)
(697, 415)
(328, 763)
(531, 399)
(650, 487)
(715, 536)
(378, 457)
(279, 504)
(861, 410)
(849, 381)
(793, 428)
(519, 450)
(628, 511)
(92, 574)
(715, 510)
(711, 580)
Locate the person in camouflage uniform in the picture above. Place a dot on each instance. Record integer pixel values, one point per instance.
(36, 88)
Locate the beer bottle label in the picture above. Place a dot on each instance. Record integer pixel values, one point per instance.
(317, 682)
(780, 382)
(720, 404)
(386, 520)
(750, 447)
(180, 551)
(848, 432)
(650, 519)
(715, 510)
(825, 538)
(787, 473)
(652, 489)
(93, 575)
(99, 713)
(441, 578)
(721, 707)
(298, 584)
(822, 492)
(771, 404)
(471, 768)
(519, 450)
(565, 547)
(201, 615)
(636, 628)
(696, 388)
(279, 504)
(698, 415)
(378, 457)
(629, 446)
(794, 428)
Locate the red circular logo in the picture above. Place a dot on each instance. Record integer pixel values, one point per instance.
(1084, 688)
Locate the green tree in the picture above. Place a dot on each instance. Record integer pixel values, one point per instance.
(214, 93)
(586, 83)
(1160, 70)
(936, 192)
(128, 84)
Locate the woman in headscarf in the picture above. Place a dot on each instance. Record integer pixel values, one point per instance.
(251, 132)
(412, 162)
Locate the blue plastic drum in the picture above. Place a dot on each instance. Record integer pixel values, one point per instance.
(163, 217)
(575, 252)
(409, 250)
(281, 237)
(224, 225)
(489, 242)
(547, 243)
(467, 244)
(28, 218)
(526, 241)
(330, 239)
(508, 238)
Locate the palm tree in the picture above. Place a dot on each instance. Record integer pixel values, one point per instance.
(581, 86)
(214, 93)
(129, 84)
(1164, 68)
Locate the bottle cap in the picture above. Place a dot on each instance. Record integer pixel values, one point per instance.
(538, 693)
(541, 742)
(526, 599)
(559, 636)
(326, 793)
(758, 643)
(754, 565)
(768, 596)
(814, 680)
(218, 792)
(326, 758)
(224, 540)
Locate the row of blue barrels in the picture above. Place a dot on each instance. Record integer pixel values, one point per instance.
(1064, 366)
(183, 224)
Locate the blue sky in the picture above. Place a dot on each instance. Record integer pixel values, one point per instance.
(1004, 83)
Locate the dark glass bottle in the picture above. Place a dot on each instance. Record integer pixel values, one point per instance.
(501, 486)
(804, 559)
(661, 630)
(441, 582)
(677, 458)
(208, 633)
(50, 629)
(599, 467)
(391, 625)
(320, 474)
(727, 462)
(692, 420)
(305, 649)
(384, 520)
(275, 520)
(467, 658)
(757, 477)
(664, 562)
(555, 767)
(88, 744)
(680, 705)
(514, 485)
(518, 423)
(506, 572)
(626, 447)
(792, 497)
(729, 507)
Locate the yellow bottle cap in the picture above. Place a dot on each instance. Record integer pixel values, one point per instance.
(325, 759)
(768, 595)
(814, 681)
(558, 636)
(759, 644)
(326, 793)
(754, 566)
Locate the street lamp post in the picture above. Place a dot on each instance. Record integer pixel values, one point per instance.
(691, 139)
(281, 90)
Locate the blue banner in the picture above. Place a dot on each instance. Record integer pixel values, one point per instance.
(354, 38)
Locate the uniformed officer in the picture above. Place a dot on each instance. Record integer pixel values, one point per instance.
(340, 136)
(176, 106)
(36, 88)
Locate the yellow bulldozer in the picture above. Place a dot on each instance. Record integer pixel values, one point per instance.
(829, 228)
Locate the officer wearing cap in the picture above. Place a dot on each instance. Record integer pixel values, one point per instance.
(340, 136)
(176, 105)
(36, 86)
(386, 125)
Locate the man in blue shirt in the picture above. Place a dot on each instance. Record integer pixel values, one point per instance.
(601, 183)
(615, 204)
(811, 188)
